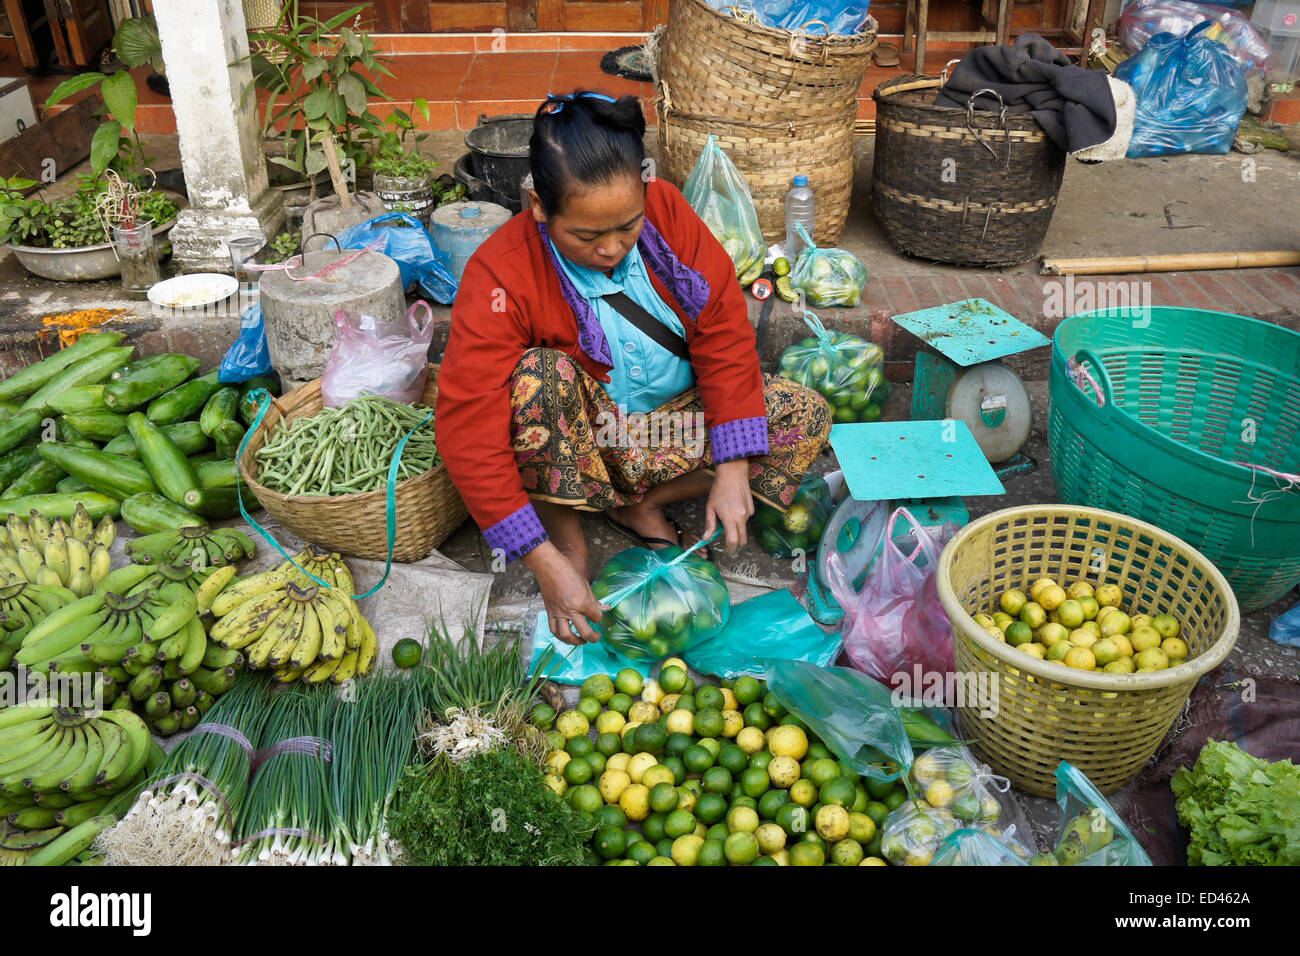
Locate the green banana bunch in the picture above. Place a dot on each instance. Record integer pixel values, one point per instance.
(22, 607)
(72, 555)
(199, 547)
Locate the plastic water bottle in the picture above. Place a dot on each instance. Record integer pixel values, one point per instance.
(799, 207)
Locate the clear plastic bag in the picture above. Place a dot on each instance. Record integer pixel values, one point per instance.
(370, 360)
(720, 196)
(249, 356)
(772, 625)
(800, 527)
(409, 244)
(1285, 629)
(662, 602)
(974, 848)
(574, 663)
(1143, 19)
(845, 17)
(1090, 832)
(827, 276)
(896, 622)
(845, 369)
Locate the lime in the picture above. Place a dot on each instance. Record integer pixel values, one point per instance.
(641, 853)
(709, 722)
(846, 852)
(711, 807)
(608, 744)
(677, 767)
(620, 703)
(860, 798)
(790, 720)
(672, 679)
(771, 802)
(652, 827)
(733, 758)
(837, 792)
(741, 848)
(650, 738)
(807, 854)
(803, 793)
(609, 843)
(713, 853)
(785, 290)
(664, 798)
(597, 761)
(589, 707)
(665, 850)
(793, 819)
(754, 782)
(739, 799)
(677, 744)
(585, 799)
(718, 780)
(717, 832)
(710, 697)
(878, 789)
(781, 266)
(697, 759)
(686, 799)
(577, 771)
(629, 682)
(407, 653)
(679, 823)
(542, 716)
(611, 816)
(861, 828)
(748, 691)
(686, 849)
(599, 687)
(818, 750)
(761, 760)
(579, 746)
(877, 811)
(742, 819)
(572, 724)
(756, 716)
(686, 702)
(711, 745)
(895, 799)
(822, 771)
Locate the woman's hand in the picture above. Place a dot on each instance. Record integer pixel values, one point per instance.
(566, 594)
(730, 503)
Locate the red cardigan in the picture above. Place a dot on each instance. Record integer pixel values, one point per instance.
(513, 297)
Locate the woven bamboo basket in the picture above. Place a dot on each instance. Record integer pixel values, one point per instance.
(780, 102)
(995, 205)
(765, 153)
(1107, 725)
(429, 508)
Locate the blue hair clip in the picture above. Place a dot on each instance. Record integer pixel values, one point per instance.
(561, 99)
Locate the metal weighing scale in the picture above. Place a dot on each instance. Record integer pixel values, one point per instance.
(925, 466)
(964, 378)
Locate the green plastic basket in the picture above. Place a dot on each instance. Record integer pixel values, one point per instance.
(1186, 396)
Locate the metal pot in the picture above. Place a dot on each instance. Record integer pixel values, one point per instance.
(498, 150)
(414, 194)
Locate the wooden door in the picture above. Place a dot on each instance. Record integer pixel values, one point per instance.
(88, 27)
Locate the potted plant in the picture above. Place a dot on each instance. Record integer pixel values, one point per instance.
(71, 238)
(403, 178)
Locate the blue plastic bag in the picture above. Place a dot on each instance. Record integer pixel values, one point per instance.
(773, 625)
(831, 16)
(574, 664)
(1191, 95)
(409, 244)
(249, 356)
(1285, 629)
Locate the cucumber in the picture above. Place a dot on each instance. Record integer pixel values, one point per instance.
(91, 371)
(114, 475)
(8, 410)
(98, 506)
(140, 385)
(41, 478)
(220, 473)
(70, 485)
(18, 429)
(222, 406)
(65, 431)
(203, 459)
(167, 464)
(80, 398)
(228, 438)
(213, 502)
(184, 401)
(28, 380)
(247, 406)
(15, 463)
(187, 436)
(98, 426)
(150, 513)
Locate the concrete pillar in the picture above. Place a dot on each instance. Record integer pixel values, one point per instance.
(220, 135)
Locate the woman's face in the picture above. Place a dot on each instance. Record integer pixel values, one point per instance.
(597, 225)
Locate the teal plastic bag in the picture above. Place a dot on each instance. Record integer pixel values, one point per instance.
(974, 848)
(571, 664)
(770, 626)
(852, 713)
(1102, 837)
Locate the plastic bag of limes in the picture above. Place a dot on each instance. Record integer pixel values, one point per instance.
(663, 601)
(719, 194)
(800, 527)
(827, 276)
(845, 369)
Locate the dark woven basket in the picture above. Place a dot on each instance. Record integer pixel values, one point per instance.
(968, 187)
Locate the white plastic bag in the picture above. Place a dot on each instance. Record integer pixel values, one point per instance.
(369, 360)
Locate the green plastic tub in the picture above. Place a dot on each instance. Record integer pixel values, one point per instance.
(1188, 400)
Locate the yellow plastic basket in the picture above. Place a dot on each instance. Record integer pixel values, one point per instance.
(1107, 725)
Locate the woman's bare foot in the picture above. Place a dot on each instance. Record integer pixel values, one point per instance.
(646, 519)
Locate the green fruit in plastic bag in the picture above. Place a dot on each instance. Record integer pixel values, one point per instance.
(800, 526)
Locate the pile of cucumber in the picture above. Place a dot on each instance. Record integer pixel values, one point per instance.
(149, 441)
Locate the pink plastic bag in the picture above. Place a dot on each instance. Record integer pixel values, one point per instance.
(897, 621)
(368, 360)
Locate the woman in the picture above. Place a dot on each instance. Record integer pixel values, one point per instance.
(601, 358)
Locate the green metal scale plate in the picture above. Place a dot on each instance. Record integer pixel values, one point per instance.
(913, 459)
(972, 331)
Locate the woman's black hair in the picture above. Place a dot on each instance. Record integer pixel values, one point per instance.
(587, 138)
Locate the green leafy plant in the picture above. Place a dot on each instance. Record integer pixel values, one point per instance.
(22, 218)
(465, 676)
(136, 43)
(317, 83)
(491, 810)
(398, 153)
(73, 222)
(283, 246)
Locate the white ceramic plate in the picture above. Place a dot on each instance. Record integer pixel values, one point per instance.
(193, 291)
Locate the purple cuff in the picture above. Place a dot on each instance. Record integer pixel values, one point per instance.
(516, 534)
(742, 438)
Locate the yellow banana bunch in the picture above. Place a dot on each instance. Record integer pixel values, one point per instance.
(287, 622)
(72, 555)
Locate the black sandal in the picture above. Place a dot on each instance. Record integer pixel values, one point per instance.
(655, 544)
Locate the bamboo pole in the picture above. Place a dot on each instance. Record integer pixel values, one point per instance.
(336, 172)
(1182, 262)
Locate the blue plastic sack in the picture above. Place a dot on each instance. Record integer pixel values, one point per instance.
(772, 625)
(1285, 629)
(574, 664)
(249, 356)
(409, 244)
(830, 16)
(1191, 95)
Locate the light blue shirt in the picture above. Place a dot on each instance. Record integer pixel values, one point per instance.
(645, 374)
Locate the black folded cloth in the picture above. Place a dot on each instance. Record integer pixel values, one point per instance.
(1074, 106)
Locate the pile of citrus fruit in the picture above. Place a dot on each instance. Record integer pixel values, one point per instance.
(673, 773)
(1084, 627)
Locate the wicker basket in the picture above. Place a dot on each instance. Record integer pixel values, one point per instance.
(995, 208)
(779, 102)
(429, 508)
(1107, 725)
